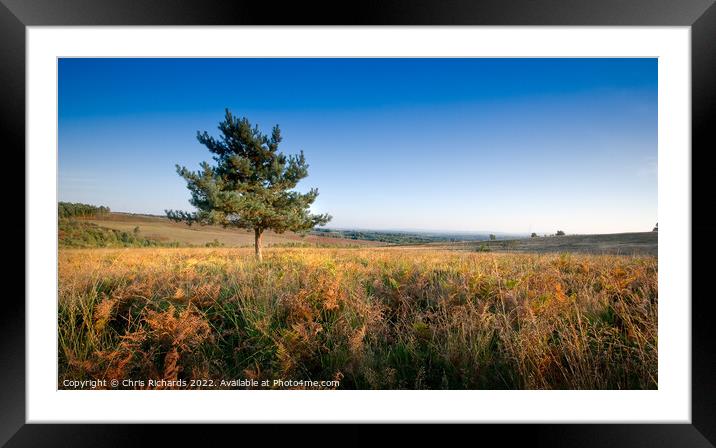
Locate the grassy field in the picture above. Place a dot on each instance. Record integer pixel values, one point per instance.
(164, 230)
(370, 318)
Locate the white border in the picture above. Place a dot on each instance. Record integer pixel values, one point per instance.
(671, 403)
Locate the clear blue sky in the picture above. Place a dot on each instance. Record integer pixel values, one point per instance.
(512, 145)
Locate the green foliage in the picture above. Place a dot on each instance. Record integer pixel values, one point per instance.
(493, 237)
(76, 209)
(215, 243)
(73, 233)
(534, 235)
(560, 233)
(251, 185)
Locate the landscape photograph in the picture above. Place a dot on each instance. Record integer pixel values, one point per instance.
(357, 223)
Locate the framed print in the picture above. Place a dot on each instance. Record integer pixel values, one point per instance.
(236, 215)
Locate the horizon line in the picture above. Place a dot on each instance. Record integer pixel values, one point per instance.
(424, 230)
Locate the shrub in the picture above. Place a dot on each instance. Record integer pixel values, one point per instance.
(215, 243)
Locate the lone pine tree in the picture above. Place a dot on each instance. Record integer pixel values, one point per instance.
(251, 186)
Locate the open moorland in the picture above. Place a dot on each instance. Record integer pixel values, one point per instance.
(369, 318)
(164, 231)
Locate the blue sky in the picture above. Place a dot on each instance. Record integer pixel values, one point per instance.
(511, 145)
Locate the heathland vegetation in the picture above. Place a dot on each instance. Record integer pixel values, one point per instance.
(74, 233)
(372, 318)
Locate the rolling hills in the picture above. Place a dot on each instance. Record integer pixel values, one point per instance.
(163, 230)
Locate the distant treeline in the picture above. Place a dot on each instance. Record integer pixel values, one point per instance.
(396, 237)
(76, 209)
(384, 237)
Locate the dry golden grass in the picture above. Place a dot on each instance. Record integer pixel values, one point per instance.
(375, 318)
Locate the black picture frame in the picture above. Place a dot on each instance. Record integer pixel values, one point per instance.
(700, 15)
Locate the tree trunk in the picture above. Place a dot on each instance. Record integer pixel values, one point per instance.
(258, 236)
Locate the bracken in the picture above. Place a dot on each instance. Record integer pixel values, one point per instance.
(376, 318)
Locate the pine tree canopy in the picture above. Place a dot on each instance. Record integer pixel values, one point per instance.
(251, 185)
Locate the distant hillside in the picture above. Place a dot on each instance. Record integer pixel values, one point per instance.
(161, 229)
(642, 243)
